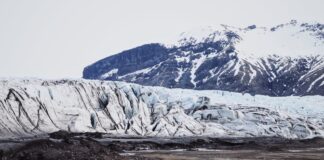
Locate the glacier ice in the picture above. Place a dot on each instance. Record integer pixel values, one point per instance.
(31, 107)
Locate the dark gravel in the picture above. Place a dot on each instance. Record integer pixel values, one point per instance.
(96, 146)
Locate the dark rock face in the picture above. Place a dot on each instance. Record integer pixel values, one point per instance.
(128, 61)
(215, 64)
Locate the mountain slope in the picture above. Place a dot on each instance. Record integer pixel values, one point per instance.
(30, 107)
(284, 60)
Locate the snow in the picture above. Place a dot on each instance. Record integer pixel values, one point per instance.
(290, 40)
(253, 74)
(237, 68)
(322, 84)
(196, 64)
(141, 71)
(317, 67)
(180, 73)
(315, 81)
(182, 59)
(109, 74)
(223, 71)
(199, 34)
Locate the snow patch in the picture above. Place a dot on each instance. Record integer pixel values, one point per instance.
(109, 74)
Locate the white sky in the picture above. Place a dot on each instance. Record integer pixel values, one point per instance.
(58, 38)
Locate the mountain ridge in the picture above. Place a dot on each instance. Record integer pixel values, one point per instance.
(284, 60)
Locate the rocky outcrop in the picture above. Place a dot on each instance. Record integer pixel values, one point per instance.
(284, 60)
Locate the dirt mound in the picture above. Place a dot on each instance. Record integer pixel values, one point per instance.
(67, 148)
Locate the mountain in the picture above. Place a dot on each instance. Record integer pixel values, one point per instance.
(31, 107)
(283, 60)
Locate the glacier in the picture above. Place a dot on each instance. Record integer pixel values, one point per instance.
(30, 107)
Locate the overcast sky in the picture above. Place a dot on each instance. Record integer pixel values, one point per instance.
(58, 38)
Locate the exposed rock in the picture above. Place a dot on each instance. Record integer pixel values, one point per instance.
(287, 59)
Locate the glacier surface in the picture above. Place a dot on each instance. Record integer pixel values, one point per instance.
(31, 107)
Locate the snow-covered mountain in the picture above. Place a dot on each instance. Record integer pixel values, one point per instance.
(286, 59)
(32, 106)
